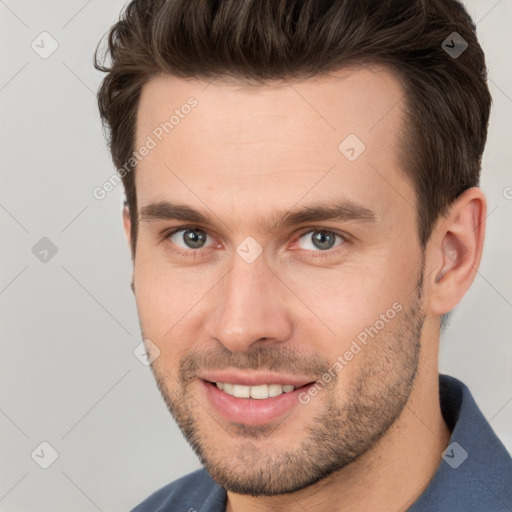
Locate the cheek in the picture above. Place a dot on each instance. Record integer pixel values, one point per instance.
(157, 296)
(341, 309)
(159, 313)
(347, 298)
(169, 302)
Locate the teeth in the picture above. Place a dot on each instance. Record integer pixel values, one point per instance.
(275, 389)
(241, 391)
(257, 392)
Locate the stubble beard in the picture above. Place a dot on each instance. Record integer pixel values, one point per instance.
(336, 436)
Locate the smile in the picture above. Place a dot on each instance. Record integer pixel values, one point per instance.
(257, 392)
(252, 405)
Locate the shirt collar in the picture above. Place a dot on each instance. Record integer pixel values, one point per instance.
(475, 472)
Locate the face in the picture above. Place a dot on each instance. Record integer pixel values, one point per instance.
(278, 256)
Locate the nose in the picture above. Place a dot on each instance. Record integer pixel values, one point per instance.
(252, 306)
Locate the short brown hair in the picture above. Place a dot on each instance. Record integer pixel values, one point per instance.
(447, 100)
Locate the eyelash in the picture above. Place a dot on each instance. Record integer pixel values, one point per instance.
(317, 254)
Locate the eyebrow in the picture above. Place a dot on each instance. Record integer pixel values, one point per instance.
(333, 210)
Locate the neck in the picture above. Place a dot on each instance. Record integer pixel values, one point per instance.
(409, 452)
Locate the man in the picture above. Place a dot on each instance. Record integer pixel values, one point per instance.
(303, 212)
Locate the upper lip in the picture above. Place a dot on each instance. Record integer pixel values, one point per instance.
(254, 379)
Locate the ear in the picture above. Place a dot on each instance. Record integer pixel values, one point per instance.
(454, 251)
(127, 224)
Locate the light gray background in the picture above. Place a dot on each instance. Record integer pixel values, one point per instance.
(69, 326)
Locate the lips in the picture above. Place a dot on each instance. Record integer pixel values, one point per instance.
(245, 378)
(275, 395)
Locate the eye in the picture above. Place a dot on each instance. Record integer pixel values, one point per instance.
(188, 237)
(192, 241)
(320, 240)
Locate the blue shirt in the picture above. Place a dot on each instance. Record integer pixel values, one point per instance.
(475, 473)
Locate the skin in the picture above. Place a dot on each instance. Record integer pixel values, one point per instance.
(240, 154)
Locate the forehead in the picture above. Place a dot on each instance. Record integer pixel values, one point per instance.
(323, 137)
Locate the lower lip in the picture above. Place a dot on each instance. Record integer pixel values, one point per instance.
(251, 411)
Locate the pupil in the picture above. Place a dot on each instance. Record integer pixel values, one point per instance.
(323, 240)
(194, 238)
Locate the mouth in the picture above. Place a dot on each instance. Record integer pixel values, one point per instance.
(252, 404)
(259, 392)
